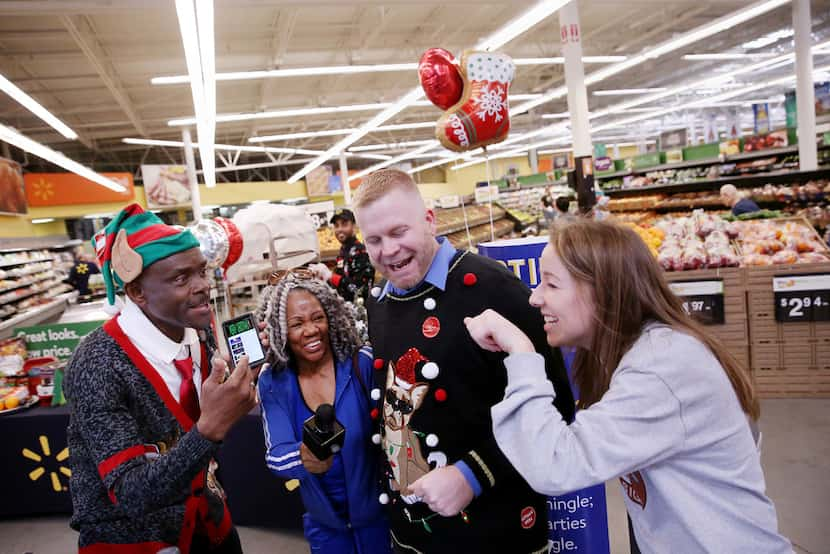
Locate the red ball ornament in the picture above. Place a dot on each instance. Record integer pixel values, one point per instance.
(378, 363)
(374, 413)
(440, 395)
(470, 279)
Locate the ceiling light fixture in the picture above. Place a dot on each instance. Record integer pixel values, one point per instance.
(196, 26)
(237, 148)
(43, 220)
(9, 135)
(390, 146)
(769, 38)
(530, 18)
(627, 91)
(291, 112)
(33, 106)
(356, 69)
(306, 134)
(726, 56)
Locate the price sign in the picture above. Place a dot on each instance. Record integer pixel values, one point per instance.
(703, 300)
(802, 297)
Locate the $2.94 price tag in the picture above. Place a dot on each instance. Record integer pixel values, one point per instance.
(802, 297)
(703, 300)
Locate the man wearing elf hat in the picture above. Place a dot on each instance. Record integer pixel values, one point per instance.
(448, 486)
(150, 404)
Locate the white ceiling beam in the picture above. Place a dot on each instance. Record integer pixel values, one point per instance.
(83, 33)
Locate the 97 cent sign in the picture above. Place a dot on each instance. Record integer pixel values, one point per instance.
(802, 297)
(703, 300)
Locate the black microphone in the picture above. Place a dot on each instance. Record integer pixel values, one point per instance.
(322, 433)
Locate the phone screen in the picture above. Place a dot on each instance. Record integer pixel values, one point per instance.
(243, 339)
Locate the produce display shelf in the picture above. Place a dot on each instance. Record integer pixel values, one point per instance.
(707, 161)
(740, 181)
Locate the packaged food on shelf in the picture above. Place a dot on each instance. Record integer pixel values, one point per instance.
(696, 242)
(13, 396)
(782, 241)
(12, 356)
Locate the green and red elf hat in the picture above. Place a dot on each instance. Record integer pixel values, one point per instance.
(132, 241)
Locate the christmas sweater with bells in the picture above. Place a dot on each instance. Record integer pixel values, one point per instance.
(435, 405)
(142, 477)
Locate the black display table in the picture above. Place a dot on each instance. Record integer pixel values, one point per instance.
(35, 467)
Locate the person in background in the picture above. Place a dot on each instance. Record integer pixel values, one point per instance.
(448, 487)
(80, 272)
(664, 405)
(563, 205)
(548, 210)
(316, 359)
(730, 196)
(353, 273)
(147, 414)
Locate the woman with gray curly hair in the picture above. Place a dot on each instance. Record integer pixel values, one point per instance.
(316, 358)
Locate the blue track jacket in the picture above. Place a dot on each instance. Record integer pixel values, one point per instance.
(277, 392)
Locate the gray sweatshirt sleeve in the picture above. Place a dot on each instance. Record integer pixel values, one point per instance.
(638, 422)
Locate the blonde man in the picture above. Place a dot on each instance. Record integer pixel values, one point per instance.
(448, 486)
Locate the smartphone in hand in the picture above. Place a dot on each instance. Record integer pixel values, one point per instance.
(242, 338)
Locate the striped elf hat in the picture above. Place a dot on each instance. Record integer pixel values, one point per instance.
(132, 241)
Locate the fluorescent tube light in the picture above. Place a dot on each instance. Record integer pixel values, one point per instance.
(726, 56)
(355, 69)
(306, 134)
(33, 106)
(390, 146)
(769, 38)
(237, 148)
(7, 134)
(43, 220)
(627, 91)
(292, 112)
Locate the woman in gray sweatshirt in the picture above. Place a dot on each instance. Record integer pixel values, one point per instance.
(665, 407)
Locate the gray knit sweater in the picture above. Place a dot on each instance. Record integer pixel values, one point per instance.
(134, 464)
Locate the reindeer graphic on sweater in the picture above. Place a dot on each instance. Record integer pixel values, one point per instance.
(404, 395)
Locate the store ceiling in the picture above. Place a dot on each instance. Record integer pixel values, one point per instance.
(90, 63)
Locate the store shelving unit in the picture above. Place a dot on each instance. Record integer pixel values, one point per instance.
(31, 287)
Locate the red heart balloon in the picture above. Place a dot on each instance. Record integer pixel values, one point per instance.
(440, 78)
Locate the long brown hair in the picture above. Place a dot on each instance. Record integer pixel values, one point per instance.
(629, 291)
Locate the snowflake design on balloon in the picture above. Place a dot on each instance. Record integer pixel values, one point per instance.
(491, 102)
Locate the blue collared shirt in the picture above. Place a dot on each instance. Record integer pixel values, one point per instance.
(437, 276)
(437, 272)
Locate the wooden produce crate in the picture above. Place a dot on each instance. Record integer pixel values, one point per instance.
(734, 332)
(789, 359)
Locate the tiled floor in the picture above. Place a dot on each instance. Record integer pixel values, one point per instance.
(796, 459)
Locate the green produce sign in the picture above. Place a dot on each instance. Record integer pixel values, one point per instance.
(645, 160)
(58, 340)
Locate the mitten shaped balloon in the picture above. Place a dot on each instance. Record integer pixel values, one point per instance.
(440, 77)
(481, 116)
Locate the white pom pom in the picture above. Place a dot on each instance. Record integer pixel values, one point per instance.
(375, 394)
(375, 291)
(429, 303)
(114, 309)
(432, 440)
(383, 498)
(376, 438)
(430, 370)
